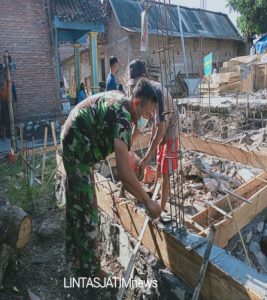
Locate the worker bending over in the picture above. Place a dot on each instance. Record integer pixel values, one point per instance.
(94, 129)
(164, 130)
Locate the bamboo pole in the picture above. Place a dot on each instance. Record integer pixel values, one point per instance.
(44, 154)
(239, 231)
(21, 136)
(130, 266)
(204, 265)
(54, 135)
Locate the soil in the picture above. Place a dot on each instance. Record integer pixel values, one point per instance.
(41, 267)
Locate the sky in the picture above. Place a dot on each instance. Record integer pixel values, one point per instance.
(213, 5)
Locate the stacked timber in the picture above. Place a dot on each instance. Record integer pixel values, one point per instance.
(242, 74)
(221, 82)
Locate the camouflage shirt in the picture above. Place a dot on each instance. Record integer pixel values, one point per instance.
(89, 132)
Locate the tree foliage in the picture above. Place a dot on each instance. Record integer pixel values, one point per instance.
(253, 16)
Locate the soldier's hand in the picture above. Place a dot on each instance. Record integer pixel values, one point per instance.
(153, 209)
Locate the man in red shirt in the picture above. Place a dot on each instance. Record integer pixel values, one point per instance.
(164, 132)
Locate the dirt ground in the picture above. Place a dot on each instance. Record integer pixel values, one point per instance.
(41, 267)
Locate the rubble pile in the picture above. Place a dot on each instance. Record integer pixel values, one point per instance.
(218, 128)
(116, 249)
(230, 129)
(261, 94)
(207, 178)
(255, 237)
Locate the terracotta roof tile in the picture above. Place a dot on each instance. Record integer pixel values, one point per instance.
(82, 11)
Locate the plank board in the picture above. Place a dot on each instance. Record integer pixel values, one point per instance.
(260, 76)
(226, 278)
(40, 150)
(256, 158)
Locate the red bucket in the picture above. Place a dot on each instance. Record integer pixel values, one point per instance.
(12, 158)
(149, 175)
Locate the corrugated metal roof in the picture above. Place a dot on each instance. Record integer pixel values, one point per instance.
(82, 11)
(195, 22)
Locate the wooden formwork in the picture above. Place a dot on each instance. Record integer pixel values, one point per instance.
(220, 214)
(254, 158)
(226, 277)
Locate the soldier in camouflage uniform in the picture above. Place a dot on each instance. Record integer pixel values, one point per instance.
(94, 129)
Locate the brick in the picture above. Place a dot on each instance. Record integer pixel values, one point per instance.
(25, 34)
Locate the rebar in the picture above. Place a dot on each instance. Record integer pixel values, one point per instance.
(168, 74)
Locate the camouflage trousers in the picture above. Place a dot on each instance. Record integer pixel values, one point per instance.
(81, 214)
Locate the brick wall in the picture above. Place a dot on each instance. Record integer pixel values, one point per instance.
(25, 34)
(119, 45)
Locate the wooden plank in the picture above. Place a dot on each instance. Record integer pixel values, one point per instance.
(257, 159)
(248, 189)
(218, 209)
(44, 154)
(231, 87)
(260, 76)
(53, 129)
(248, 74)
(247, 59)
(226, 276)
(255, 190)
(40, 150)
(192, 224)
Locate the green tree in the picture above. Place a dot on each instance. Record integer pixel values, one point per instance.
(253, 15)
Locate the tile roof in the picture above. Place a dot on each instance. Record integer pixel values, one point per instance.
(82, 11)
(195, 22)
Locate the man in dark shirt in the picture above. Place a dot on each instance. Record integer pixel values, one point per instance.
(111, 80)
(164, 131)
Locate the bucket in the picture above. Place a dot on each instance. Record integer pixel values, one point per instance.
(12, 158)
(149, 175)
